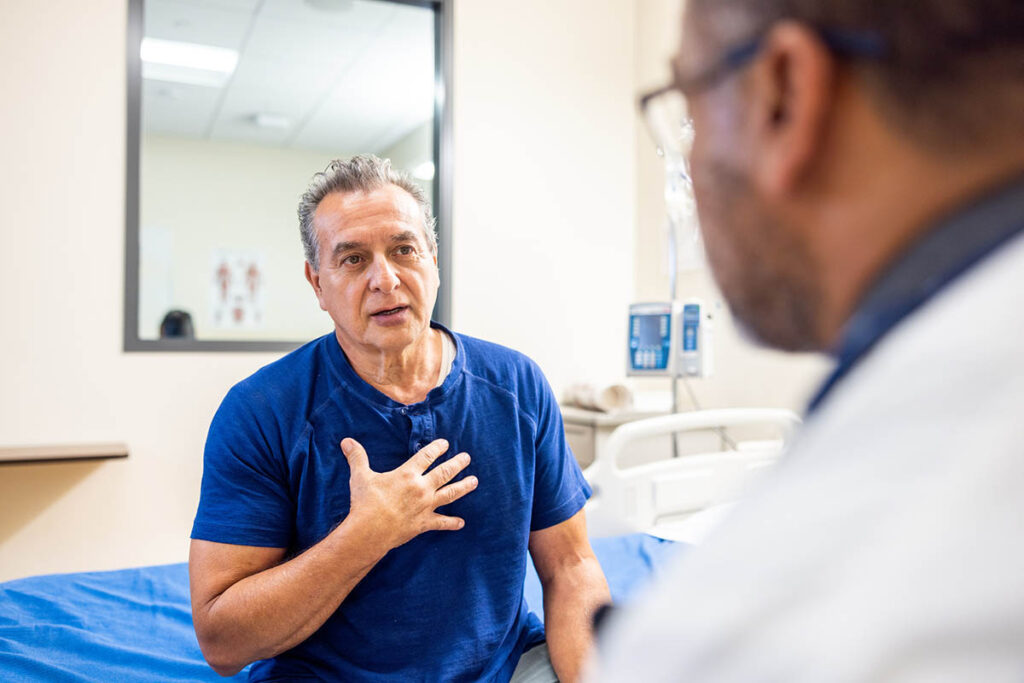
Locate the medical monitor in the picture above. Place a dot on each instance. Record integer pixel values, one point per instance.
(650, 340)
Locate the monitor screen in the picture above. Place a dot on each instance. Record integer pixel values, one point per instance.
(650, 330)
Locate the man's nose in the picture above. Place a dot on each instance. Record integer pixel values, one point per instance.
(383, 276)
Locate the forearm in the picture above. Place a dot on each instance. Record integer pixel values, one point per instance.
(276, 609)
(570, 599)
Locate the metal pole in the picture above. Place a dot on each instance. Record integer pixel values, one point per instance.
(673, 273)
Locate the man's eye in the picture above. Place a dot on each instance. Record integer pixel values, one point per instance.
(352, 260)
(406, 250)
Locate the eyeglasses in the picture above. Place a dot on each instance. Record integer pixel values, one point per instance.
(665, 109)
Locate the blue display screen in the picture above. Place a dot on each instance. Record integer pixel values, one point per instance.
(649, 330)
(649, 341)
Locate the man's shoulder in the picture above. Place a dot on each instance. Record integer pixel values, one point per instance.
(285, 380)
(506, 370)
(954, 361)
(488, 359)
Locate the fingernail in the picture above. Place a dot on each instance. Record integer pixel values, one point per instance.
(443, 443)
(346, 444)
(473, 480)
(462, 523)
(465, 457)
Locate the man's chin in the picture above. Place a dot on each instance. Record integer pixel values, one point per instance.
(748, 333)
(394, 338)
(789, 331)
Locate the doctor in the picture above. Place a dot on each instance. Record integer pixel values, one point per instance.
(859, 172)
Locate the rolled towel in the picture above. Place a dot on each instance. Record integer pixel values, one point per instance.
(605, 399)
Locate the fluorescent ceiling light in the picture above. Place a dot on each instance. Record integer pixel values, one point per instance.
(330, 5)
(168, 60)
(424, 171)
(265, 120)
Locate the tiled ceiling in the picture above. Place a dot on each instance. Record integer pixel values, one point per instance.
(343, 76)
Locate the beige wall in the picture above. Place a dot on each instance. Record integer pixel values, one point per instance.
(63, 375)
(745, 375)
(544, 179)
(542, 126)
(551, 175)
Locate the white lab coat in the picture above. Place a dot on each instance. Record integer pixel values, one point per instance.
(889, 543)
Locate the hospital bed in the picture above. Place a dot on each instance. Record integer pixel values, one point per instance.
(136, 624)
(682, 496)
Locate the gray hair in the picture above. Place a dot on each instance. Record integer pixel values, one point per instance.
(361, 173)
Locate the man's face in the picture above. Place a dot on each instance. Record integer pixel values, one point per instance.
(760, 265)
(377, 276)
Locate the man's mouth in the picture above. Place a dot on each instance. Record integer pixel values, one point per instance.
(388, 311)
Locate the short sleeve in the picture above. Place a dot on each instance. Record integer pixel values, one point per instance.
(559, 490)
(244, 499)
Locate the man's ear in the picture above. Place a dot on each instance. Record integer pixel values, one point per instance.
(793, 88)
(313, 277)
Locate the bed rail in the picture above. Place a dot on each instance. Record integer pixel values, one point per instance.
(637, 498)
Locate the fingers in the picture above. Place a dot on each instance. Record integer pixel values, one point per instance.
(446, 471)
(452, 492)
(445, 523)
(355, 454)
(426, 456)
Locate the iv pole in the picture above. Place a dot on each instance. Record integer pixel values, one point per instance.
(673, 274)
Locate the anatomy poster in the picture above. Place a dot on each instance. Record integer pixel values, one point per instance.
(236, 289)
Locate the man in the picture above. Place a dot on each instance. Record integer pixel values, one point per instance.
(858, 168)
(369, 499)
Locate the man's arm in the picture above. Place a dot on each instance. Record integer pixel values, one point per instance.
(574, 587)
(248, 605)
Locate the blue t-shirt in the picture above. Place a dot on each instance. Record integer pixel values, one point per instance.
(446, 606)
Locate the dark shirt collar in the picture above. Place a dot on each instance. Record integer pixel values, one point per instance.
(348, 376)
(956, 243)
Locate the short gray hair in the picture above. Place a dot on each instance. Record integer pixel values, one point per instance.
(361, 173)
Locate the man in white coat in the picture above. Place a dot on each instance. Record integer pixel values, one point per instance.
(859, 173)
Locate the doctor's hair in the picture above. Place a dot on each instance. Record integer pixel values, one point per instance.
(361, 173)
(951, 72)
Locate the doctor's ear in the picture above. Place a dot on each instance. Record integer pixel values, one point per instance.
(791, 97)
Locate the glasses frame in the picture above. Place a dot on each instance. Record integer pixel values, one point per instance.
(841, 43)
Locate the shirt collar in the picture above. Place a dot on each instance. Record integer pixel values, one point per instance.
(347, 375)
(939, 257)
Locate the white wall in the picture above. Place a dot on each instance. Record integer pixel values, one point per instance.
(411, 150)
(542, 127)
(745, 375)
(544, 179)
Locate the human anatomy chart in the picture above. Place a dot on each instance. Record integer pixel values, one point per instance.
(236, 289)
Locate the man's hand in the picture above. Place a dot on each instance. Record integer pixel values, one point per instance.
(247, 604)
(400, 505)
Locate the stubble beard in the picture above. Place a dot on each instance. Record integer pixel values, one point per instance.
(765, 273)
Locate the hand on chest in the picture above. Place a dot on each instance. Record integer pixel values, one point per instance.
(502, 460)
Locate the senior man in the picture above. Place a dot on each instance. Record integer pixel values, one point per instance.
(859, 174)
(368, 500)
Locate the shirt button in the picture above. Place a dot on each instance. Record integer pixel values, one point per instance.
(403, 411)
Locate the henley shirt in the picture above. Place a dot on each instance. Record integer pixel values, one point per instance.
(446, 606)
